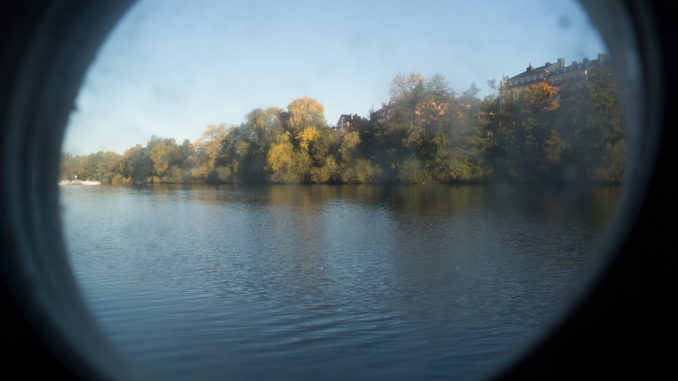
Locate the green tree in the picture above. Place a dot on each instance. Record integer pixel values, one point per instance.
(136, 165)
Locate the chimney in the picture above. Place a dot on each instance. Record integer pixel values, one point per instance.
(586, 61)
(547, 64)
(561, 62)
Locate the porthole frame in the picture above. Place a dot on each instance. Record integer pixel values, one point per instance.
(47, 48)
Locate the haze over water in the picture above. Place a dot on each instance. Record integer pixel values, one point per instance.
(337, 282)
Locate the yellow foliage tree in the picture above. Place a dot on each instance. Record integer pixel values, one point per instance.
(305, 112)
(207, 148)
(281, 154)
(309, 135)
(287, 164)
(160, 158)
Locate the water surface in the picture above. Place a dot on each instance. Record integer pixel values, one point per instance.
(336, 282)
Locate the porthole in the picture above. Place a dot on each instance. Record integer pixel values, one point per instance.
(33, 221)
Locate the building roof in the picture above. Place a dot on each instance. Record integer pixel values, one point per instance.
(559, 67)
(548, 67)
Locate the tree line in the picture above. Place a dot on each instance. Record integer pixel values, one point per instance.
(425, 134)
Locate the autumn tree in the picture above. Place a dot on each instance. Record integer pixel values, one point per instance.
(429, 132)
(287, 164)
(305, 113)
(258, 132)
(206, 156)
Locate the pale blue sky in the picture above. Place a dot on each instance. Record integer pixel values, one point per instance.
(172, 67)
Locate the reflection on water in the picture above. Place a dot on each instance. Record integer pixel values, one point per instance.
(329, 281)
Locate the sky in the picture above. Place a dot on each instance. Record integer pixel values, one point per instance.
(171, 68)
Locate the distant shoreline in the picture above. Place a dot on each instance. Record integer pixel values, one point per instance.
(426, 134)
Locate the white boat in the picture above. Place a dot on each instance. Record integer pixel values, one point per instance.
(79, 182)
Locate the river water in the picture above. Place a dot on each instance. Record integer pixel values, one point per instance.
(332, 282)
